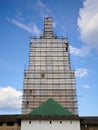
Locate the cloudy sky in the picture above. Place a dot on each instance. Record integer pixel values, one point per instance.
(77, 21)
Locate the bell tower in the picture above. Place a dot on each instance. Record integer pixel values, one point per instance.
(49, 75)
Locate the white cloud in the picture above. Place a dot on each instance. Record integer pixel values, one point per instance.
(33, 29)
(25, 27)
(36, 31)
(10, 99)
(79, 51)
(86, 86)
(81, 72)
(40, 4)
(19, 16)
(88, 23)
(54, 24)
(75, 51)
(44, 11)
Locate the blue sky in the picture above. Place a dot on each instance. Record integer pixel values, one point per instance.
(20, 20)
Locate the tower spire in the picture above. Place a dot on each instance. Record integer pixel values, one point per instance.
(48, 28)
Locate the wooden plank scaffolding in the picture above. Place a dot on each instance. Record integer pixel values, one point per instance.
(49, 74)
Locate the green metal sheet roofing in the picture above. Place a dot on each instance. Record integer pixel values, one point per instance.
(50, 107)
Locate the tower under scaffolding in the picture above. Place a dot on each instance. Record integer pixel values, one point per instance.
(49, 74)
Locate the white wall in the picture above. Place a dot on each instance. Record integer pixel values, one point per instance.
(46, 125)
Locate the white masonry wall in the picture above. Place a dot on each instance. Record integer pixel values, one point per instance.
(50, 125)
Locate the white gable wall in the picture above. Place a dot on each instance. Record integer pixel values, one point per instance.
(50, 125)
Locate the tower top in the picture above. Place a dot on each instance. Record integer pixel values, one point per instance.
(48, 28)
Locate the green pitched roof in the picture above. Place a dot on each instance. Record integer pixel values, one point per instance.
(50, 108)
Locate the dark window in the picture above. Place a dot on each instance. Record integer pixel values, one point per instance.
(27, 102)
(67, 49)
(50, 122)
(19, 123)
(30, 91)
(10, 123)
(29, 122)
(1, 123)
(42, 75)
(60, 122)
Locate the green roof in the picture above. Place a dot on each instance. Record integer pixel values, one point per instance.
(50, 108)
